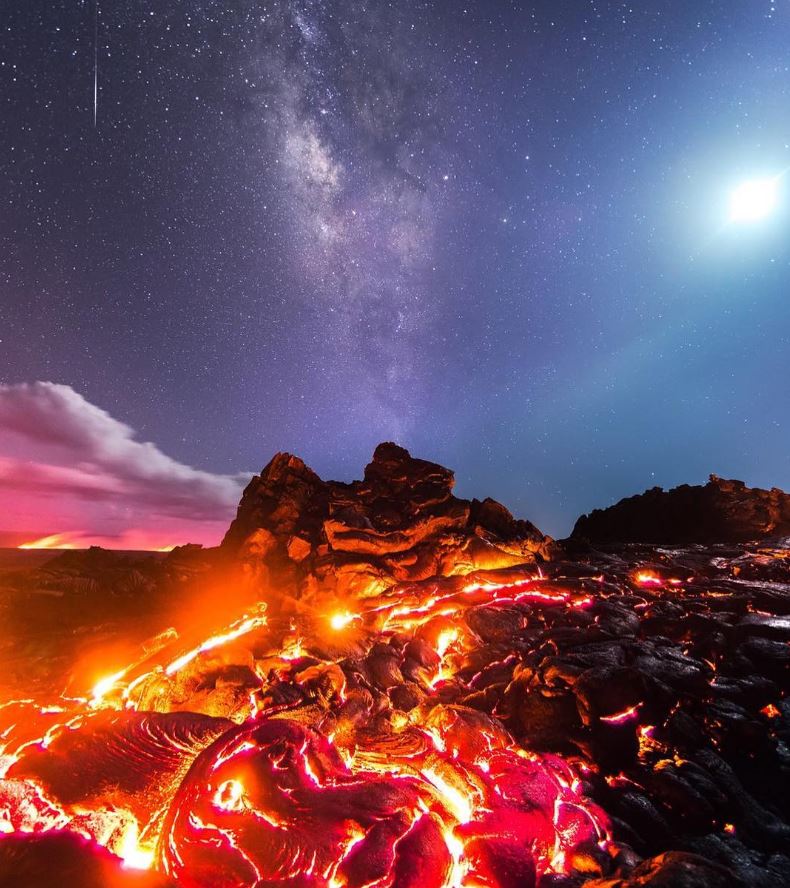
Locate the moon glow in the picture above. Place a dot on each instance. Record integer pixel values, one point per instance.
(754, 200)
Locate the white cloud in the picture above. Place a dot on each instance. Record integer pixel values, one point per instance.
(68, 465)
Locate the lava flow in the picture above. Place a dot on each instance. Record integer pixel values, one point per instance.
(351, 790)
(423, 692)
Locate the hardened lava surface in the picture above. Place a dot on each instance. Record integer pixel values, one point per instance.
(422, 691)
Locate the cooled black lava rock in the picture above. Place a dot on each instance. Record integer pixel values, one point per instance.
(721, 511)
(675, 870)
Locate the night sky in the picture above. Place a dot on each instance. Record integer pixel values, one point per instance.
(497, 233)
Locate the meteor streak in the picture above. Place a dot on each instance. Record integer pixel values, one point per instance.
(95, 62)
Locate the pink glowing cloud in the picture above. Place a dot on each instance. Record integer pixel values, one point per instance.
(69, 468)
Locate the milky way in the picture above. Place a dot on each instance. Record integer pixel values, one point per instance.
(358, 134)
(491, 231)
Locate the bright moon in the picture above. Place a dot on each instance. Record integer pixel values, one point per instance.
(754, 200)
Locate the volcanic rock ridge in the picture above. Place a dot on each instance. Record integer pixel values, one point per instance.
(721, 511)
(381, 685)
(400, 524)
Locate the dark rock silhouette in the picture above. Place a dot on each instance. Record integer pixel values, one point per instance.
(720, 511)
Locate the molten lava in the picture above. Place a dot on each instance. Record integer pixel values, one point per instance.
(440, 795)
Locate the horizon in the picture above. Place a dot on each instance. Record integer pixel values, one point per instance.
(74, 540)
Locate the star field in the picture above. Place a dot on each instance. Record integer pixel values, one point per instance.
(495, 232)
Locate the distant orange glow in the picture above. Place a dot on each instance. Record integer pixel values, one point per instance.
(132, 540)
(53, 541)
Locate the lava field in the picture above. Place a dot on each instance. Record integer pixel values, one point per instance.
(393, 687)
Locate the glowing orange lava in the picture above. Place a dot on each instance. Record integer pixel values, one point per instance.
(305, 793)
(623, 716)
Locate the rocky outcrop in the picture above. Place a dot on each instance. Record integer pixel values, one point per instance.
(720, 511)
(400, 523)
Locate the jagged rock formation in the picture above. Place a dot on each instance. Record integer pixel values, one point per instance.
(401, 523)
(720, 511)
